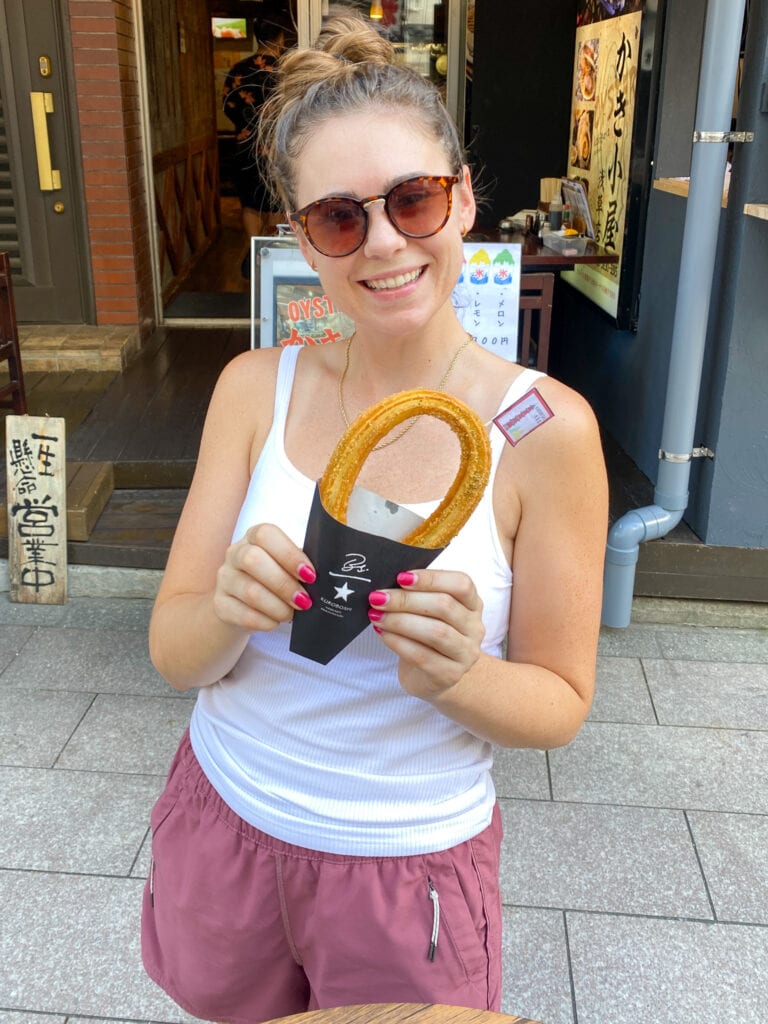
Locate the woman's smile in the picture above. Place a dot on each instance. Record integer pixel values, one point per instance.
(393, 281)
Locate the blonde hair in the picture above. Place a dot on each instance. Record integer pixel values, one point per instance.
(350, 68)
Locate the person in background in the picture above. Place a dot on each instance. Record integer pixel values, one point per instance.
(329, 834)
(246, 88)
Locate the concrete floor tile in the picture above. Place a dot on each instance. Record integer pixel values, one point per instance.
(521, 773)
(128, 734)
(535, 959)
(621, 693)
(104, 582)
(627, 860)
(140, 867)
(34, 726)
(627, 970)
(74, 821)
(98, 1020)
(116, 613)
(70, 945)
(13, 613)
(663, 766)
(91, 660)
(733, 849)
(698, 643)
(12, 641)
(632, 642)
(13, 1017)
(716, 694)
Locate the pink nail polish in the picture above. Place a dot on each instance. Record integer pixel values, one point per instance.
(302, 601)
(406, 579)
(375, 615)
(306, 573)
(378, 629)
(378, 598)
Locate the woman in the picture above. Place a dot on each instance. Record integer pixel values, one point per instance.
(329, 834)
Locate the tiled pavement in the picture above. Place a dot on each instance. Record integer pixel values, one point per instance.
(635, 864)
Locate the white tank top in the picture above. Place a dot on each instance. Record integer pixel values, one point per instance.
(338, 757)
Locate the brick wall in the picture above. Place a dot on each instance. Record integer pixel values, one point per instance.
(106, 75)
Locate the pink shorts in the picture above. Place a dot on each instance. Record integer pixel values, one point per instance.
(240, 927)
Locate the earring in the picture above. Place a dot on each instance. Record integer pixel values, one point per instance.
(314, 267)
(463, 231)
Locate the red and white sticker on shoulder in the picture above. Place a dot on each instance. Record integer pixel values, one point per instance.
(523, 416)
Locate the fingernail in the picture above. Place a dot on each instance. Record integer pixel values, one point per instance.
(406, 579)
(306, 573)
(375, 615)
(378, 597)
(378, 630)
(302, 600)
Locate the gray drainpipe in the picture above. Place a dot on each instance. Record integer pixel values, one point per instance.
(719, 61)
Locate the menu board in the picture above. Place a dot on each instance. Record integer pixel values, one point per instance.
(486, 297)
(609, 128)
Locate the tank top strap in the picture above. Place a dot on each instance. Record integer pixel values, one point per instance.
(286, 371)
(522, 383)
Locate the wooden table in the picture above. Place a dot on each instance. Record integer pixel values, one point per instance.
(536, 256)
(402, 1013)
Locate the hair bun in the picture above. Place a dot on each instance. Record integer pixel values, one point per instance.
(350, 69)
(348, 35)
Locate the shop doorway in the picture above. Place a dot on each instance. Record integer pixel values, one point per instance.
(41, 214)
(188, 47)
(200, 243)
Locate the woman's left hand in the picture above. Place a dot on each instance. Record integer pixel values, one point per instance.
(433, 623)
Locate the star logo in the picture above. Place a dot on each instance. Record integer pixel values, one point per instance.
(343, 592)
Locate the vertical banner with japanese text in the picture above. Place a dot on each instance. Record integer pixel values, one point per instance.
(605, 83)
(35, 460)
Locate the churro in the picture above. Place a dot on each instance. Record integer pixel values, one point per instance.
(366, 431)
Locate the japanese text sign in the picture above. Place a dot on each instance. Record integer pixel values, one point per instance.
(486, 297)
(606, 65)
(35, 459)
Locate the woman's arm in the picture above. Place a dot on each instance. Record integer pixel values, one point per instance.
(541, 695)
(214, 593)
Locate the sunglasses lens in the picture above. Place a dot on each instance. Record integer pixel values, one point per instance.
(336, 227)
(420, 207)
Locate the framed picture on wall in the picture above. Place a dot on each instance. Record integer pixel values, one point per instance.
(293, 307)
(229, 28)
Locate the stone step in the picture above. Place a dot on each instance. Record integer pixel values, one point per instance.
(89, 487)
(68, 347)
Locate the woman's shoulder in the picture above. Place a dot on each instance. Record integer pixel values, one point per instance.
(510, 383)
(249, 377)
(551, 428)
(570, 411)
(558, 444)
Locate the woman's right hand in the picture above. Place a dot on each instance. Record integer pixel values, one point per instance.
(259, 584)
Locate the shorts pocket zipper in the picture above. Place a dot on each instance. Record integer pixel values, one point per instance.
(435, 919)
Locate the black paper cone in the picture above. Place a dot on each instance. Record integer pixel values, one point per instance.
(350, 564)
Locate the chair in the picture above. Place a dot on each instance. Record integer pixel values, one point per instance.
(12, 394)
(536, 292)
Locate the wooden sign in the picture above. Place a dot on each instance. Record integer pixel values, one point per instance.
(35, 460)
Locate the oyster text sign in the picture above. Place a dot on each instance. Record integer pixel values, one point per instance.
(35, 459)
